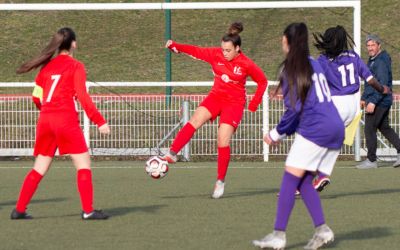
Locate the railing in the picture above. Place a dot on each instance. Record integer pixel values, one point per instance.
(140, 122)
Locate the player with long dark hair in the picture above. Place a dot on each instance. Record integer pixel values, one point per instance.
(311, 114)
(60, 82)
(343, 69)
(226, 99)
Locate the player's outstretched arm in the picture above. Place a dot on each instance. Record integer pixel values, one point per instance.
(200, 53)
(379, 87)
(169, 42)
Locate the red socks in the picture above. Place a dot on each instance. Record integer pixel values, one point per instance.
(28, 188)
(224, 156)
(183, 137)
(85, 188)
(33, 178)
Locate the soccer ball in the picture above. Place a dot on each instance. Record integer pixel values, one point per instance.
(156, 167)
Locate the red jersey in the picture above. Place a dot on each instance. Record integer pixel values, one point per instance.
(62, 81)
(229, 76)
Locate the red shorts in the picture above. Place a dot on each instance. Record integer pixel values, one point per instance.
(59, 130)
(230, 113)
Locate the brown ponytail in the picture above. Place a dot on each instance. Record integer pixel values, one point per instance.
(296, 68)
(62, 40)
(233, 34)
(235, 28)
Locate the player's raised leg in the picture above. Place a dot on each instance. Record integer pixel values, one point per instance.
(200, 116)
(320, 181)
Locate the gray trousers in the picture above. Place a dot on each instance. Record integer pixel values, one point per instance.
(379, 120)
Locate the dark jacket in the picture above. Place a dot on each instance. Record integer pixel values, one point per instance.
(381, 69)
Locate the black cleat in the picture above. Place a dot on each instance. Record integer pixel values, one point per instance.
(95, 215)
(15, 215)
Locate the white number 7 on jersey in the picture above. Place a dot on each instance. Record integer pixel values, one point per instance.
(55, 79)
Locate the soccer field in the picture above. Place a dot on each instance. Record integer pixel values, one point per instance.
(177, 212)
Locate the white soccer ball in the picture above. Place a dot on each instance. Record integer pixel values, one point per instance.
(156, 167)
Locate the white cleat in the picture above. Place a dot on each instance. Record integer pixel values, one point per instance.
(322, 236)
(396, 164)
(218, 189)
(275, 240)
(170, 158)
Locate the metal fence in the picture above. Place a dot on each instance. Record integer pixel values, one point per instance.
(140, 122)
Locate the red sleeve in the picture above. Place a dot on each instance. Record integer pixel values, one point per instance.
(37, 102)
(259, 77)
(84, 98)
(204, 54)
(36, 99)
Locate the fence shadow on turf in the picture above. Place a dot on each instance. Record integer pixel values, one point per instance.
(119, 211)
(369, 192)
(362, 234)
(227, 194)
(34, 201)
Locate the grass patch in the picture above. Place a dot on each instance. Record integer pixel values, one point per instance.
(178, 213)
(129, 45)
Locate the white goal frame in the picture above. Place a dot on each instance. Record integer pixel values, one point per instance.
(355, 4)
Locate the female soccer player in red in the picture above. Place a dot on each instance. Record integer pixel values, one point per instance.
(226, 99)
(60, 82)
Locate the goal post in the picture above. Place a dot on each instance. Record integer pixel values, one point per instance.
(355, 4)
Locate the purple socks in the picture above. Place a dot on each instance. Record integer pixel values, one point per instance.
(311, 199)
(286, 201)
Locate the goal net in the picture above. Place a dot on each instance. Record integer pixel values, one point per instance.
(124, 43)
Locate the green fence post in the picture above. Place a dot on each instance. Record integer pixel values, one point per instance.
(168, 77)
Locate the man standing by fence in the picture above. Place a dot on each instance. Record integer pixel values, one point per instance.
(377, 105)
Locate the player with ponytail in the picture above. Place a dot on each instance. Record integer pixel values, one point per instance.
(60, 82)
(227, 98)
(343, 69)
(319, 133)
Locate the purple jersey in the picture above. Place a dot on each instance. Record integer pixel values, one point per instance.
(319, 121)
(343, 72)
